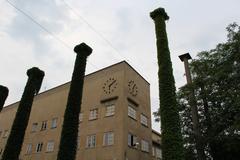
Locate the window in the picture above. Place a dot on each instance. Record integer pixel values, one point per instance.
(91, 141)
(144, 120)
(108, 138)
(0, 133)
(93, 114)
(50, 146)
(110, 110)
(78, 142)
(39, 147)
(80, 117)
(44, 125)
(1, 150)
(54, 123)
(5, 134)
(153, 151)
(158, 153)
(145, 146)
(34, 127)
(131, 112)
(29, 148)
(132, 140)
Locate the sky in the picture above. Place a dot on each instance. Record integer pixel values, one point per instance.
(44, 33)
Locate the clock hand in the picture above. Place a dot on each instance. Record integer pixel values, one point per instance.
(111, 84)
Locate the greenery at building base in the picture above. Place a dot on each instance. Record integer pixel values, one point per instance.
(69, 135)
(172, 144)
(3, 96)
(16, 137)
(216, 81)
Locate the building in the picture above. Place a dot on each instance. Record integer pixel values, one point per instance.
(114, 123)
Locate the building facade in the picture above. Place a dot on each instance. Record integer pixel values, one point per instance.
(114, 123)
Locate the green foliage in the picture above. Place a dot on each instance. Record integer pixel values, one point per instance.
(172, 146)
(16, 137)
(68, 143)
(216, 81)
(3, 96)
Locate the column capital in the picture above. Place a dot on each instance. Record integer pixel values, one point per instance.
(83, 49)
(183, 56)
(159, 12)
(34, 71)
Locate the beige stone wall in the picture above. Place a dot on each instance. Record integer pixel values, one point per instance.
(51, 104)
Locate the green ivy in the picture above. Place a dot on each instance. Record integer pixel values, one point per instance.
(3, 96)
(172, 145)
(68, 142)
(16, 137)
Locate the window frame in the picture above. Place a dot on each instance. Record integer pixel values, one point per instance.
(93, 114)
(54, 123)
(91, 141)
(108, 138)
(50, 146)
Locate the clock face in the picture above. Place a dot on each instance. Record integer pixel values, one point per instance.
(132, 88)
(110, 85)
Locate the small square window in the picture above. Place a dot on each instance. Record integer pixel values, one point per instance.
(93, 114)
(110, 110)
(34, 127)
(131, 112)
(50, 146)
(91, 141)
(39, 147)
(132, 140)
(145, 146)
(29, 148)
(108, 138)
(144, 120)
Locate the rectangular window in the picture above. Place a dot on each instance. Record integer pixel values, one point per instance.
(110, 110)
(153, 151)
(131, 112)
(108, 138)
(158, 153)
(80, 117)
(54, 123)
(39, 147)
(144, 120)
(132, 140)
(91, 141)
(29, 148)
(145, 146)
(93, 114)
(44, 125)
(1, 150)
(50, 146)
(5, 134)
(78, 142)
(0, 134)
(34, 127)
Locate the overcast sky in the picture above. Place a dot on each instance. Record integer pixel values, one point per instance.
(116, 30)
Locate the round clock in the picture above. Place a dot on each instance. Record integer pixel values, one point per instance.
(132, 88)
(110, 85)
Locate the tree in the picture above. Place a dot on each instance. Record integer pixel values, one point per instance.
(216, 81)
(68, 142)
(3, 96)
(15, 140)
(172, 146)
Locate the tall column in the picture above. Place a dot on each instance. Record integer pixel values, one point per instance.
(172, 145)
(16, 137)
(3, 96)
(68, 142)
(194, 111)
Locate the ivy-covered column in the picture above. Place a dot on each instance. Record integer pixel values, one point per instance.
(16, 137)
(68, 142)
(172, 144)
(3, 96)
